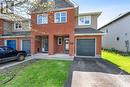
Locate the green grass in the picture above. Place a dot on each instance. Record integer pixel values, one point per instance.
(45, 73)
(123, 62)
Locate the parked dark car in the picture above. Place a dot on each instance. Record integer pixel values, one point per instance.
(9, 54)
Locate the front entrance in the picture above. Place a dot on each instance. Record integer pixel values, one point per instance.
(66, 45)
(45, 44)
(61, 44)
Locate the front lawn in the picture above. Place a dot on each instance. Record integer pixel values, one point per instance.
(122, 61)
(45, 73)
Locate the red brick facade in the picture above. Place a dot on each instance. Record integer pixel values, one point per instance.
(98, 39)
(53, 30)
(1, 31)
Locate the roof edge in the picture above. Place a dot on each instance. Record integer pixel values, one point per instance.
(124, 15)
(90, 13)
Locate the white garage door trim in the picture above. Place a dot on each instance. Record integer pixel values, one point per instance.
(22, 43)
(86, 56)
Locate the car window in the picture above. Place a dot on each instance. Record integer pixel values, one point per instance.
(10, 49)
(1, 49)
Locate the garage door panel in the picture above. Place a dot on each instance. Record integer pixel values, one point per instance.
(26, 46)
(86, 47)
(11, 43)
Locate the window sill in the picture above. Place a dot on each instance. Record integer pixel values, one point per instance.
(60, 22)
(42, 24)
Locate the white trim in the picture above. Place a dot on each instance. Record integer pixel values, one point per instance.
(15, 25)
(90, 34)
(21, 43)
(86, 38)
(58, 40)
(85, 17)
(60, 17)
(14, 36)
(43, 43)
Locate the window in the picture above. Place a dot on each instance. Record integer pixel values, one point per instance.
(60, 17)
(106, 30)
(50, 0)
(84, 20)
(42, 19)
(18, 25)
(59, 40)
(117, 38)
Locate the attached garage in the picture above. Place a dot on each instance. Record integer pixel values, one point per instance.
(86, 47)
(11, 43)
(26, 46)
(88, 42)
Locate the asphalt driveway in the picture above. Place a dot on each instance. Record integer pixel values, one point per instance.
(95, 72)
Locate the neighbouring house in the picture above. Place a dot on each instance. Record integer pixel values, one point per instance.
(15, 32)
(117, 33)
(66, 31)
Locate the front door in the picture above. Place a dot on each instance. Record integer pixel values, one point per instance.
(45, 45)
(66, 45)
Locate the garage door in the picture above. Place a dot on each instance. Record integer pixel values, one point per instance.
(11, 43)
(86, 47)
(26, 46)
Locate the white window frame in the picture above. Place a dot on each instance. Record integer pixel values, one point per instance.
(43, 21)
(50, 0)
(15, 25)
(61, 17)
(88, 17)
(59, 40)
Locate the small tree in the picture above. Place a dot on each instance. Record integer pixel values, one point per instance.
(11, 8)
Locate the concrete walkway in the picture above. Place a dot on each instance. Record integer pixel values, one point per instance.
(96, 79)
(53, 57)
(95, 72)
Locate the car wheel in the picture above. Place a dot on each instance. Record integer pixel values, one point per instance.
(21, 58)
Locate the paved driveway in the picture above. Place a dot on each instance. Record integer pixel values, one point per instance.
(92, 72)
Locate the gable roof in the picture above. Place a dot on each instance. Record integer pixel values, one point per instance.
(116, 19)
(12, 17)
(58, 5)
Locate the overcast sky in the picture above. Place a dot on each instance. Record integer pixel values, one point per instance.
(110, 8)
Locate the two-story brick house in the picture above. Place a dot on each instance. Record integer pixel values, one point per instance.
(15, 32)
(65, 30)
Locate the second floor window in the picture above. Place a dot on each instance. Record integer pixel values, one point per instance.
(60, 17)
(18, 25)
(84, 20)
(42, 19)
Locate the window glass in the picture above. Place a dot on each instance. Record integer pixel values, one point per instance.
(84, 20)
(39, 19)
(60, 17)
(42, 19)
(18, 25)
(59, 40)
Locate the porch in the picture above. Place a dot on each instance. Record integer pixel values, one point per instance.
(52, 44)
